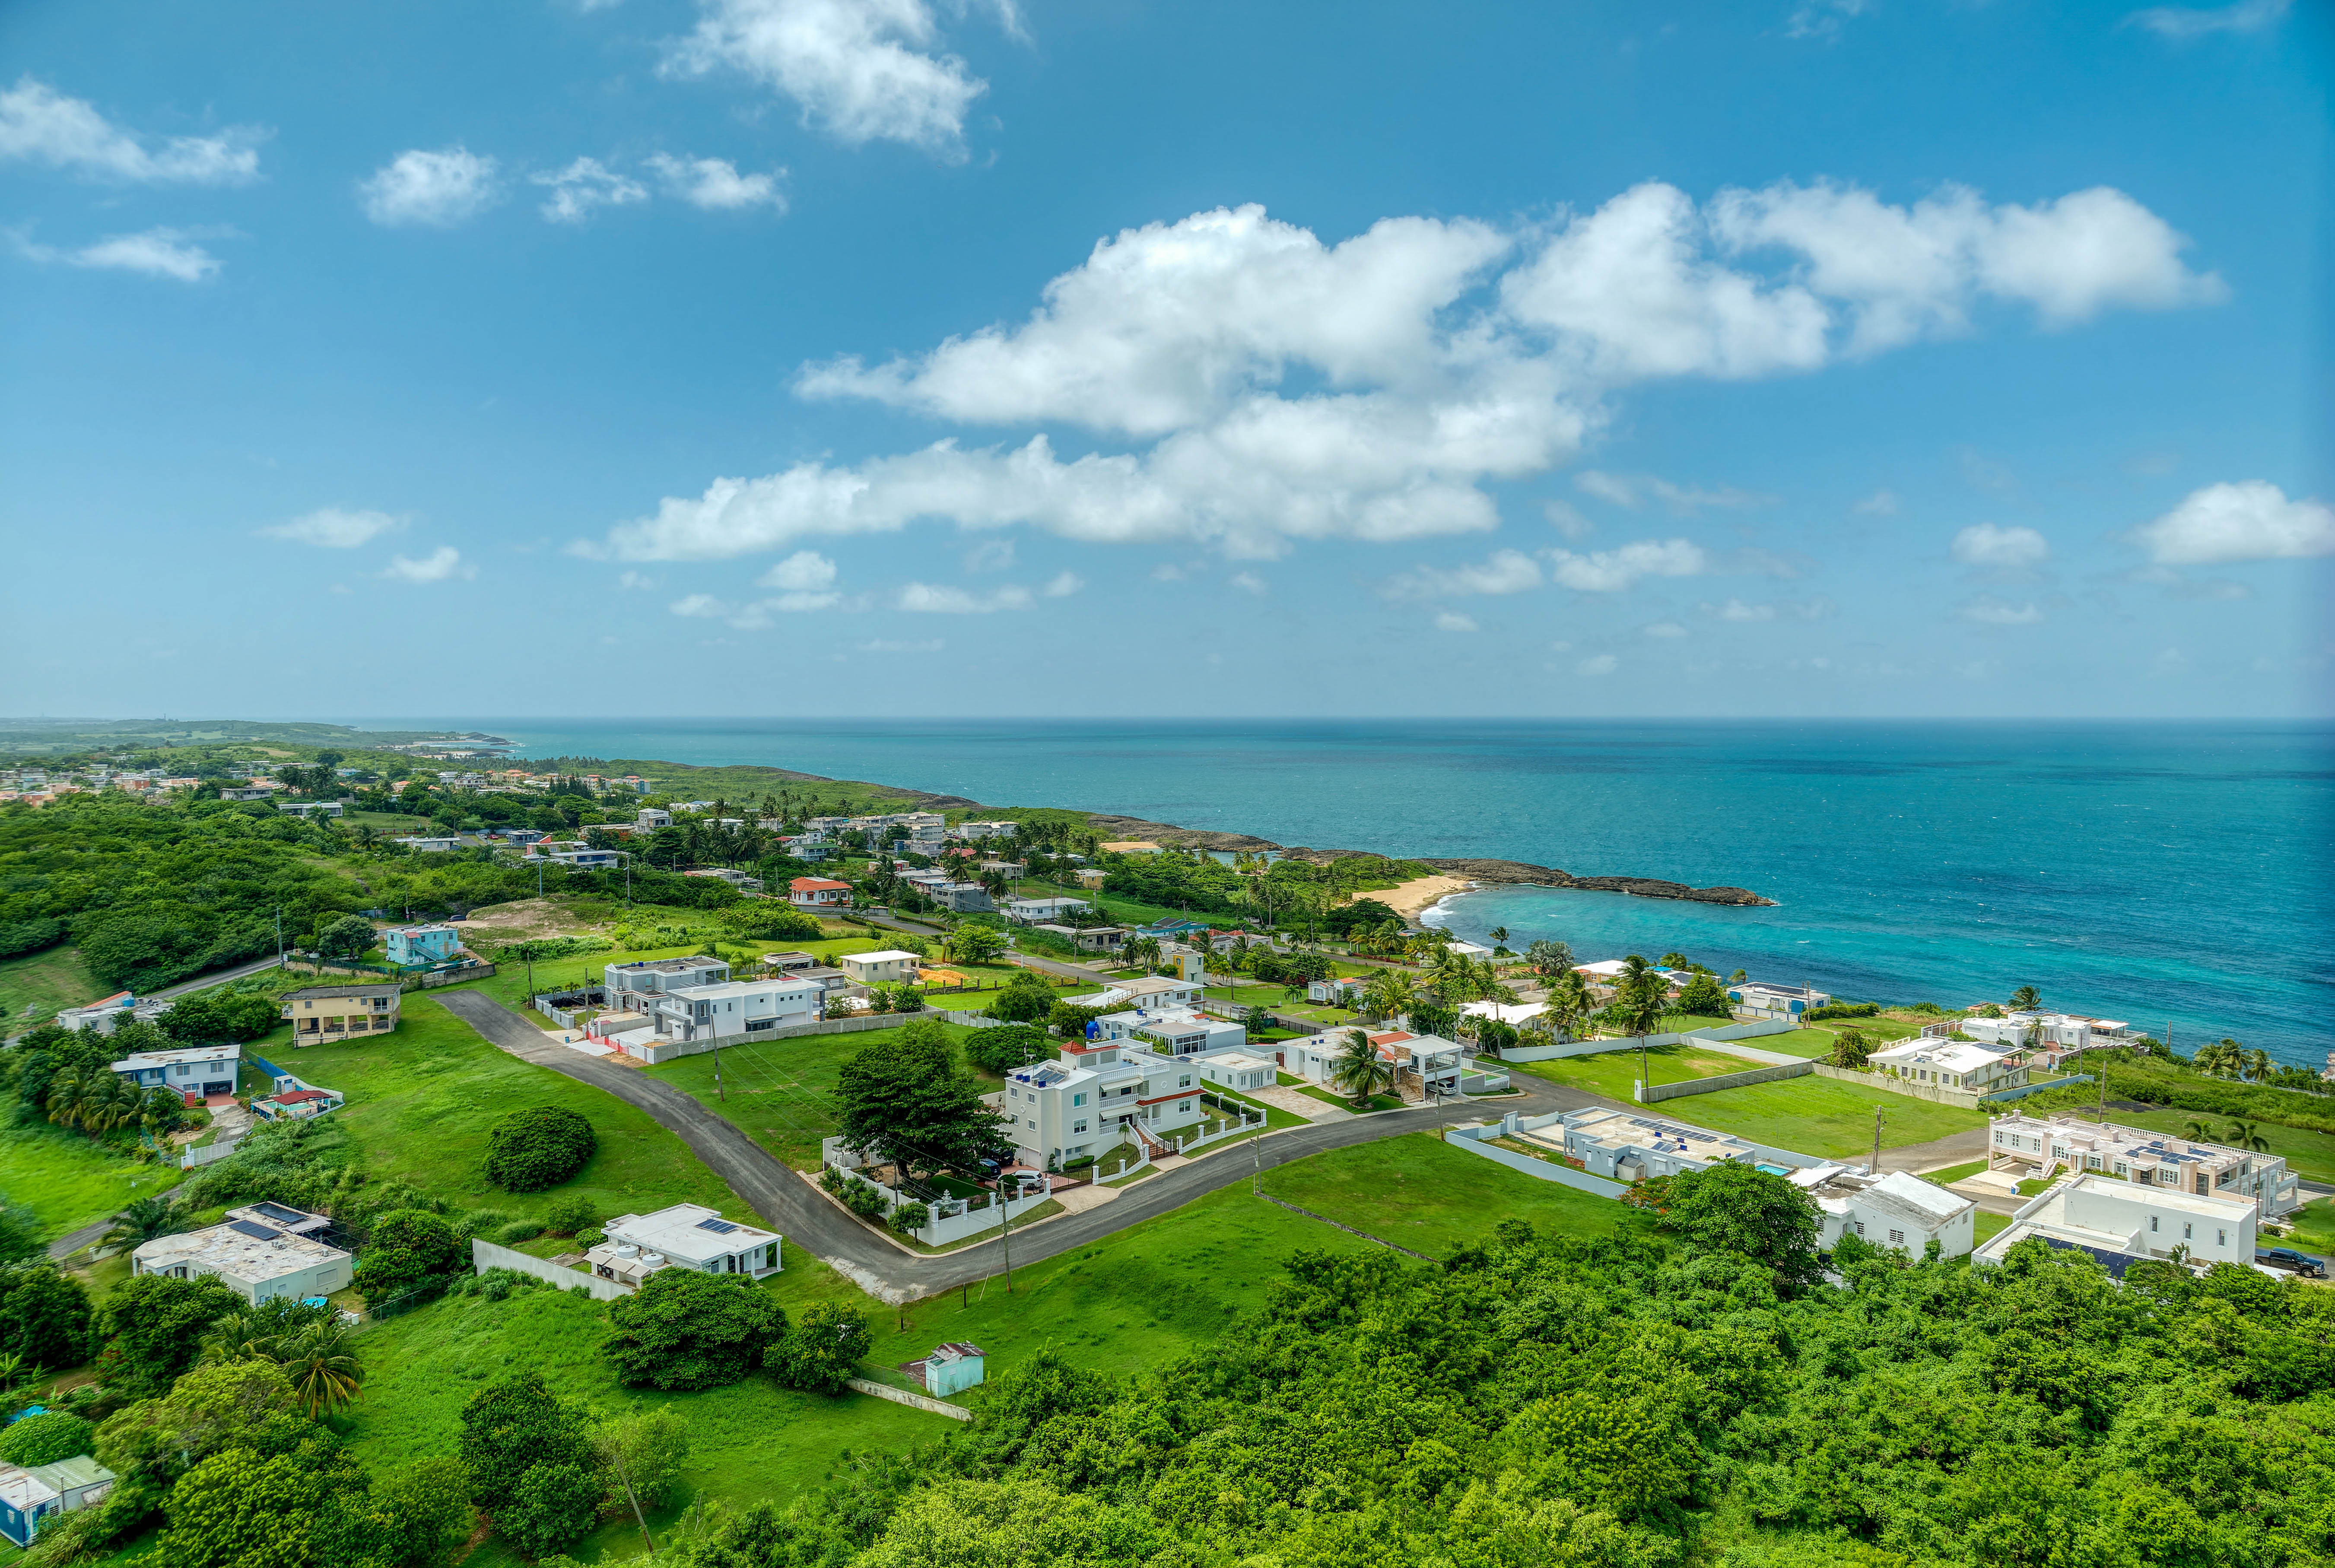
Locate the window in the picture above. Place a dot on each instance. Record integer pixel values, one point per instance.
(2152, 1221)
(1896, 1238)
(1031, 1124)
(1077, 1127)
(2185, 1230)
(1860, 1227)
(1077, 1099)
(2221, 1238)
(1185, 1081)
(1183, 1107)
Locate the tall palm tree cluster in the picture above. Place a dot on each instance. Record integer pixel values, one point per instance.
(314, 1351)
(2226, 1058)
(95, 1099)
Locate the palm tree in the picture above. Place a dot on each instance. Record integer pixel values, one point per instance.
(1568, 1002)
(141, 1222)
(2196, 1131)
(1390, 994)
(2026, 998)
(1500, 935)
(1640, 999)
(2258, 1065)
(1360, 1070)
(325, 1376)
(2245, 1134)
(243, 1335)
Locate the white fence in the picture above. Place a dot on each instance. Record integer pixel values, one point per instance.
(952, 1219)
(485, 1255)
(1646, 1093)
(191, 1157)
(1749, 1031)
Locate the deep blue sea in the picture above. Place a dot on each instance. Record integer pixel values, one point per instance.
(2169, 874)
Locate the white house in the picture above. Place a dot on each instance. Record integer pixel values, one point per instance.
(1338, 989)
(648, 977)
(1158, 990)
(2040, 1146)
(110, 1014)
(817, 892)
(975, 831)
(195, 1070)
(651, 817)
(685, 1237)
(888, 966)
(1470, 951)
(2119, 1221)
(1895, 1209)
(428, 845)
(1094, 1097)
(1624, 1147)
(1036, 911)
(2055, 1035)
(1172, 1031)
(1424, 1064)
(253, 1252)
(740, 1008)
(1760, 999)
(1950, 1064)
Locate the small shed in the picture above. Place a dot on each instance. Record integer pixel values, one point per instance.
(950, 1367)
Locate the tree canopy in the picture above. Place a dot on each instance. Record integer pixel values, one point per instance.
(902, 1098)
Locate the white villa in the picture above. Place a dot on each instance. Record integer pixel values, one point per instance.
(1951, 1064)
(1626, 1148)
(1424, 1064)
(2122, 1222)
(1172, 1031)
(2043, 1146)
(684, 1236)
(1095, 1096)
(1893, 1211)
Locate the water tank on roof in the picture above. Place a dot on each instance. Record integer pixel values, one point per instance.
(652, 1260)
(626, 1250)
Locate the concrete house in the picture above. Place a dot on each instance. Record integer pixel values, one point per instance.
(255, 1252)
(422, 945)
(948, 1368)
(628, 984)
(1236, 1069)
(1150, 991)
(1624, 1147)
(320, 1014)
(818, 893)
(1895, 1209)
(1038, 911)
(1951, 1064)
(2052, 1036)
(193, 1072)
(649, 819)
(1758, 998)
(2121, 1222)
(422, 845)
(888, 966)
(1172, 1031)
(964, 898)
(734, 1007)
(685, 1237)
(110, 1014)
(1095, 1096)
(1424, 1064)
(2043, 1146)
(974, 832)
(1089, 938)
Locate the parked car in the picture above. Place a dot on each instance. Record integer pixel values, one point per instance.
(2292, 1262)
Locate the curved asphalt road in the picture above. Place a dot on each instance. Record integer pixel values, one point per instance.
(800, 1213)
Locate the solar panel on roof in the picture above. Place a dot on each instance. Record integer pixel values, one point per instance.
(253, 1229)
(720, 1228)
(275, 1211)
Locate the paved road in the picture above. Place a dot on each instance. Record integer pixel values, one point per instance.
(797, 1211)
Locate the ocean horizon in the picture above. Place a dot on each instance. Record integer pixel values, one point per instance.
(2164, 873)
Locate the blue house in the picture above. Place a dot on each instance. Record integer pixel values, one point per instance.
(950, 1367)
(32, 1499)
(422, 945)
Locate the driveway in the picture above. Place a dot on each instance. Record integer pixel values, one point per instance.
(793, 1208)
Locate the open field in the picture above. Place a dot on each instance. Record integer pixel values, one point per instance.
(68, 1181)
(33, 987)
(419, 1099)
(1611, 1072)
(1812, 1116)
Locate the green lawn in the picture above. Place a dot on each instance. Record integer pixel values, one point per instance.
(1611, 1072)
(419, 1099)
(1985, 1226)
(68, 1181)
(33, 988)
(1346, 1101)
(1811, 1115)
(1954, 1174)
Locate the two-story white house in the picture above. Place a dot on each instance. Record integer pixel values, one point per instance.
(1425, 1065)
(1095, 1097)
(2043, 1146)
(735, 1008)
(1896, 1210)
(1039, 911)
(1172, 1031)
(886, 966)
(631, 984)
(974, 832)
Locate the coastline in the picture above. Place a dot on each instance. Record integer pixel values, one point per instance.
(1413, 898)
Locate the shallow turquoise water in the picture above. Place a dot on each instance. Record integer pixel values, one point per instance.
(2160, 873)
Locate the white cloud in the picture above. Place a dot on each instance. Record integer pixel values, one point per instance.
(1905, 273)
(2168, 663)
(156, 252)
(927, 598)
(1452, 621)
(703, 606)
(1421, 385)
(1602, 665)
(1823, 18)
(443, 565)
(635, 580)
(805, 580)
(1815, 609)
(2181, 22)
(864, 70)
(584, 184)
(1879, 504)
(1248, 583)
(1063, 585)
(1737, 610)
(1988, 611)
(1611, 571)
(989, 555)
(1664, 629)
(1506, 572)
(335, 529)
(2013, 548)
(2252, 520)
(892, 645)
(715, 184)
(1633, 490)
(1566, 521)
(38, 124)
(435, 189)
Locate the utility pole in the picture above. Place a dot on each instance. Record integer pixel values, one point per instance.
(280, 936)
(1876, 1140)
(718, 1093)
(1006, 1211)
(616, 1453)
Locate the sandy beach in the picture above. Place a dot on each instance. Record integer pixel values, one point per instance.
(1409, 897)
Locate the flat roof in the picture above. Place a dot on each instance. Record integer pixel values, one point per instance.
(686, 1231)
(883, 955)
(254, 1253)
(325, 993)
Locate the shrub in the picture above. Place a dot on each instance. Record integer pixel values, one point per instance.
(552, 1505)
(683, 1330)
(529, 1150)
(864, 1200)
(1026, 999)
(1842, 1009)
(823, 1349)
(495, 1284)
(765, 921)
(484, 1222)
(44, 1316)
(1006, 1047)
(407, 1247)
(910, 1217)
(517, 1231)
(47, 1438)
(565, 1216)
(24, 936)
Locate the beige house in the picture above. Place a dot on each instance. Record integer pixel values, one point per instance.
(318, 1013)
(887, 967)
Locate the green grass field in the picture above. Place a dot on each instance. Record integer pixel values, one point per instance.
(33, 987)
(1611, 1072)
(68, 1181)
(1985, 1226)
(419, 1099)
(1812, 1116)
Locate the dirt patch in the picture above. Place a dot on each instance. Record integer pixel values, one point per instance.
(525, 919)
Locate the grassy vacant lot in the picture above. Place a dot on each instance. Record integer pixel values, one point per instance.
(780, 1091)
(1130, 1304)
(33, 988)
(420, 1100)
(1812, 1116)
(1611, 1072)
(68, 1181)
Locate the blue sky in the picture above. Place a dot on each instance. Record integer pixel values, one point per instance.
(757, 356)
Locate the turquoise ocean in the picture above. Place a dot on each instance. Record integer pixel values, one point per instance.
(2172, 875)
